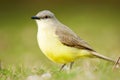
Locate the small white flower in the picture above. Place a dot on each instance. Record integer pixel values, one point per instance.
(34, 77)
(46, 76)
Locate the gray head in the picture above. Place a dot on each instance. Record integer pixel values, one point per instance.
(45, 14)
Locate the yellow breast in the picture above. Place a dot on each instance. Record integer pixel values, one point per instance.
(57, 52)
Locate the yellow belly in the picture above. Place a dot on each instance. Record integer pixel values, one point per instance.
(58, 52)
(64, 54)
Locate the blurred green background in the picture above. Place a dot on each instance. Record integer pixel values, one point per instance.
(97, 22)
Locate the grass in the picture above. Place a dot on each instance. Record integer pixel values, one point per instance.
(100, 71)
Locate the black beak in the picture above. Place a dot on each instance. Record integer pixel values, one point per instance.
(35, 17)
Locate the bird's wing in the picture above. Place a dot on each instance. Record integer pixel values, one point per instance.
(69, 38)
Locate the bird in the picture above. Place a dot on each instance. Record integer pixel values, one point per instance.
(59, 43)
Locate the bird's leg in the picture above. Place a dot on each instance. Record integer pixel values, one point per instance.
(71, 64)
(62, 67)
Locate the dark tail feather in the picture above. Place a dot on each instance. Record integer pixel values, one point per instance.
(103, 57)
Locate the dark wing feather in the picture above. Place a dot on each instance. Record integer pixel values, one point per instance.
(69, 38)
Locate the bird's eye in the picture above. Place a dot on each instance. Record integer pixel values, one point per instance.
(46, 17)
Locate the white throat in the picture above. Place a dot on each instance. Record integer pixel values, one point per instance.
(46, 32)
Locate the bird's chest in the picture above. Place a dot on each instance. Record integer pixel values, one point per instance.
(47, 40)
